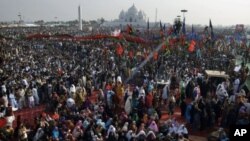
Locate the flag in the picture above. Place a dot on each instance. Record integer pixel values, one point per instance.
(164, 27)
(193, 35)
(211, 27)
(160, 26)
(192, 29)
(119, 49)
(184, 27)
(192, 46)
(161, 30)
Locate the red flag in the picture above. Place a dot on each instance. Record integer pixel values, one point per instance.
(119, 50)
(3, 122)
(191, 46)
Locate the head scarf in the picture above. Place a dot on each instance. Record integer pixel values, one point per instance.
(153, 126)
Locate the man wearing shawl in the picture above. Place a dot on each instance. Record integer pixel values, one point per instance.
(119, 94)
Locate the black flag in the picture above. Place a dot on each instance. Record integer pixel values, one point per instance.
(212, 30)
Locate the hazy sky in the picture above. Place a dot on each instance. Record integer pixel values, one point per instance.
(222, 12)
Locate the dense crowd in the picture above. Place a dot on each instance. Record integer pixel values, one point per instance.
(93, 93)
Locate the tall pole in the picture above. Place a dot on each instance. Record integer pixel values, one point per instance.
(184, 18)
(155, 15)
(20, 19)
(80, 17)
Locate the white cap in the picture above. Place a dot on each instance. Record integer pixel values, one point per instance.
(119, 79)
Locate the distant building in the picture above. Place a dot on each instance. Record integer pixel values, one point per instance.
(132, 16)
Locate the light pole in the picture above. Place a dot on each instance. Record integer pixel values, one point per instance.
(184, 11)
(20, 17)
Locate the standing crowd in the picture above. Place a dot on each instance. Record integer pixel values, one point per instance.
(92, 93)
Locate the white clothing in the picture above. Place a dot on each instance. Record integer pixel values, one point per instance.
(182, 130)
(35, 95)
(9, 120)
(4, 88)
(128, 105)
(12, 100)
(236, 85)
(165, 92)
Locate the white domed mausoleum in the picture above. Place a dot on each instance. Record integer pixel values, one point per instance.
(132, 16)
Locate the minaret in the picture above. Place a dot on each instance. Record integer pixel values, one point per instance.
(155, 15)
(80, 17)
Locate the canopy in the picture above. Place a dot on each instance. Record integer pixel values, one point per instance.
(215, 73)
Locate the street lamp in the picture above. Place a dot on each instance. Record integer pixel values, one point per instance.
(184, 11)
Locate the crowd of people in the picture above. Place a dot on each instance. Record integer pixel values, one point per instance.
(94, 93)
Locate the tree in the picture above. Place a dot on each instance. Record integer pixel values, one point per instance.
(177, 26)
(102, 20)
(40, 22)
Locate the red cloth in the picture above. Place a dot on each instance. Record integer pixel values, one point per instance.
(2, 122)
(108, 87)
(192, 46)
(55, 116)
(155, 56)
(119, 50)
